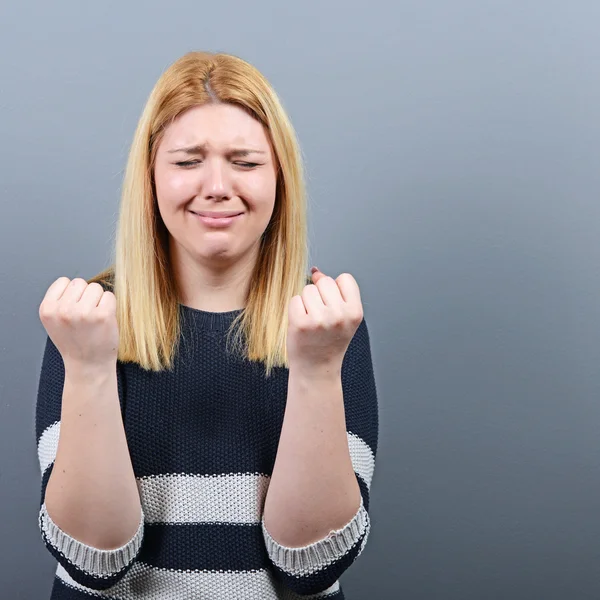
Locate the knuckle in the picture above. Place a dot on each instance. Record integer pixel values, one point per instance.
(86, 315)
(357, 317)
(64, 312)
(318, 324)
(338, 321)
(305, 326)
(43, 311)
(102, 315)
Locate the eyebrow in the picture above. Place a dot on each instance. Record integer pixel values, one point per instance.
(201, 149)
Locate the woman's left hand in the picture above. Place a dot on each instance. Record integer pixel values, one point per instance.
(322, 321)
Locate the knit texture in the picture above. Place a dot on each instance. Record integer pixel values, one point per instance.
(203, 440)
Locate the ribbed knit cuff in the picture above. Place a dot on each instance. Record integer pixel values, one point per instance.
(322, 553)
(87, 558)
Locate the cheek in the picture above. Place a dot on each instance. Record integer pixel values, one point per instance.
(261, 190)
(172, 184)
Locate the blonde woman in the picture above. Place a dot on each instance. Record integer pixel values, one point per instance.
(207, 418)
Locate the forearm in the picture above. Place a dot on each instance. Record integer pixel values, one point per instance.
(92, 493)
(313, 488)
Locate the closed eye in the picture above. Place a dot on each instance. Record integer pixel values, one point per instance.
(190, 163)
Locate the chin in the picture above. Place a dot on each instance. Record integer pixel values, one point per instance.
(222, 255)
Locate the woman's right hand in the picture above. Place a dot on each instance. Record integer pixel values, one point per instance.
(81, 321)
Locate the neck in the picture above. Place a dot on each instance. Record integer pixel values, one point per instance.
(212, 286)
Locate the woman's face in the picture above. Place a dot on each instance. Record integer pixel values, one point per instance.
(215, 160)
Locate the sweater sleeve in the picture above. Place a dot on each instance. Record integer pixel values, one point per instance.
(91, 567)
(317, 567)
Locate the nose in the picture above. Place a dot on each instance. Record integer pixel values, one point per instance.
(216, 181)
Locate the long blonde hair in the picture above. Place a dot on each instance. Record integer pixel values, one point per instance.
(141, 275)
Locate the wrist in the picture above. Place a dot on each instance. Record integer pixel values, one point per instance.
(322, 371)
(89, 373)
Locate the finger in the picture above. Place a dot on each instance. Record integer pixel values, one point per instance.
(296, 308)
(91, 295)
(312, 299)
(57, 288)
(108, 301)
(316, 274)
(349, 289)
(330, 292)
(74, 290)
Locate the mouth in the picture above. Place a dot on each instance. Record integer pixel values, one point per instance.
(223, 219)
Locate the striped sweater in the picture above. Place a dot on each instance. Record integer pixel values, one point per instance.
(203, 440)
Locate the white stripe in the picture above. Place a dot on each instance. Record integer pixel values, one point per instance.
(47, 446)
(228, 498)
(150, 583)
(234, 498)
(362, 457)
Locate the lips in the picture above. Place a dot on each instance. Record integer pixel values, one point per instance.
(219, 221)
(217, 215)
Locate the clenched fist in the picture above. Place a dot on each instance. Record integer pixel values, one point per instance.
(81, 321)
(322, 321)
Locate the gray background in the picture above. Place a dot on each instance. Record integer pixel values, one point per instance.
(453, 158)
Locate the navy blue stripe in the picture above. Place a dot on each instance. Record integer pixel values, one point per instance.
(50, 388)
(45, 479)
(62, 591)
(311, 584)
(215, 547)
(164, 409)
(364, 491)
(360, 391)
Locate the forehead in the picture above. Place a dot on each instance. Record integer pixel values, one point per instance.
(219, 125)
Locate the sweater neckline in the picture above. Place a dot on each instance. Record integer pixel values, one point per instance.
(210, 320)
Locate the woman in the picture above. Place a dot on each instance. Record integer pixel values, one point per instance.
(176, 464)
